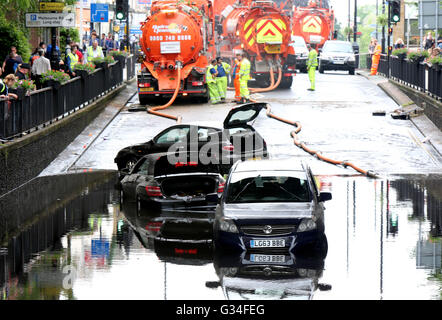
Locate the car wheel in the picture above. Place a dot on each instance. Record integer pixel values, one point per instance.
(130, 162)
(321, 69)
(351, 72)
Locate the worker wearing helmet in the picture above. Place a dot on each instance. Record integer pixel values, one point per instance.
(312, 63)
(211, 74)
(244, 77)
(235, 78)
(221, 78)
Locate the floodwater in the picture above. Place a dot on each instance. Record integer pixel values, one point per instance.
(69, 237)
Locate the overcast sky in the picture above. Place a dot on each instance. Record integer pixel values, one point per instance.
(341, 8)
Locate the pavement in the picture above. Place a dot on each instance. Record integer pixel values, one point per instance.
(432, 134)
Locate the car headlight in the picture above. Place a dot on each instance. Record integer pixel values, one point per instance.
(324, 57)
(227, 225)
(351, 59)
(306, 225)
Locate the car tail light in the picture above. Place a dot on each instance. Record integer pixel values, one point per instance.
(144, 85)
(197, 83)
(154, 191)
(229, 147)
(287, 74)
(153, 226)
(221, 187)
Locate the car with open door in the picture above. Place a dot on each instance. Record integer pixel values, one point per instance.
(234, 139)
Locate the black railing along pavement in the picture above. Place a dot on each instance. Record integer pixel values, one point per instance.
(417, 75)
(50, 103)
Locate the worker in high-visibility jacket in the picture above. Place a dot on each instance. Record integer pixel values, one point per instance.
(211, 74)
(244, 77)
(221, 78)
(235, 78)
(71, 61)
(375, 59)
(312, 63)
(94, 51)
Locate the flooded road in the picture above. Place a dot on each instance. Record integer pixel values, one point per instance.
(69, 237)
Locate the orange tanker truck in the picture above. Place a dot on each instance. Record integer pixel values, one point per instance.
(314, 21)
(263, 31)
(177, 41)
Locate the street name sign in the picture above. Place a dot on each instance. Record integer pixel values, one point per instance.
(52, 6)
(35, 20)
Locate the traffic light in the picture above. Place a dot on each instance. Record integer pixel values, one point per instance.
(390, 31)
(121, 7)
(395, 11)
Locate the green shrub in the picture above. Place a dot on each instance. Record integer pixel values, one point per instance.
(11, 35)
(418, 56)
(89, 67)
(399, 52)
(436, 61)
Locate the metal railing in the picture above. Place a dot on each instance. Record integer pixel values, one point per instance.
(417, 75)
(46, 105)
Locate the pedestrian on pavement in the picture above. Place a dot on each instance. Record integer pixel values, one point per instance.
(56, 61)
(211, 74)
(110, 43)
(124, 45)
(371, 47)
(8, 92)
(376, 58)
(11, 62)
(102, 43)
(71, 60)
(22, 72)
(399, 44)
(312, 63)
(94, 51)
(35, 54)
(223, 70)
(92, 38)
(439, 42)
(76, 49)
(244, 77)
(236, 83)
(429, 41)
(40, 66)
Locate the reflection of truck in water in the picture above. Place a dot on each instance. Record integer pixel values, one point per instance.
(177, 41)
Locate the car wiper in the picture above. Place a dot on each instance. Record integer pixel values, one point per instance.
(245, 187)
(292, 194)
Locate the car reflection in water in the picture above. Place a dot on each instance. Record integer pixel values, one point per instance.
(252, 276)
(179, 235)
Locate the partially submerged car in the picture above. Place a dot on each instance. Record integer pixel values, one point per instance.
(166, 179)
(234, 139)
(271, 205)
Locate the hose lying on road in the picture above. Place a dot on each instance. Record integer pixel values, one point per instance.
(172, 100)
(301, 145)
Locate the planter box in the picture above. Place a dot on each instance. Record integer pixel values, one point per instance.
(103, 65)
(54, 84)
(82, 73)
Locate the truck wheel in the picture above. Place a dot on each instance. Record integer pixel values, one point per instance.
(143, 100)
(286, 83)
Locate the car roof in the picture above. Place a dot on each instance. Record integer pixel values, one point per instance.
(270, 165)
(208, 124)
(338, 41)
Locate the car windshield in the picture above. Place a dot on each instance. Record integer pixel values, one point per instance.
(268, 188)
(338, 47)
(142, 167)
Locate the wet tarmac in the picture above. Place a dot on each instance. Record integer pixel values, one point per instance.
(66, 234)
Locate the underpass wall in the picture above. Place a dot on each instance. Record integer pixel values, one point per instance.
(24, 158)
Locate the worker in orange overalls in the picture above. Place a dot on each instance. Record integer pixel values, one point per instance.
(235, 77)
(376, 57)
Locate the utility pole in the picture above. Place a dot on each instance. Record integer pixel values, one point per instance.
(348, 36)
(383, 28)
(356, 21)
(377, 13)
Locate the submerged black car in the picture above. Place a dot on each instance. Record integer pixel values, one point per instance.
(166, 179)
(271, 205)
(224, 143)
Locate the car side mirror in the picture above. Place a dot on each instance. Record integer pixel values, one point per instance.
(325, 196)
(212, 198)
(212, 284)
(319, 51)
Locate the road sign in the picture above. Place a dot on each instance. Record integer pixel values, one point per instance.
(135, 31)
(36, 20)
(99, 12)
(51, 6)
